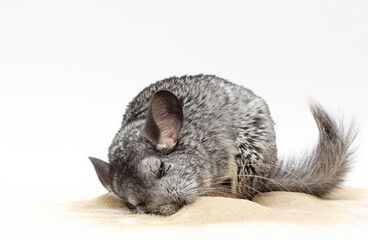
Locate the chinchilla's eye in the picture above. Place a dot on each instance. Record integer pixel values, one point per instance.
(161, 170)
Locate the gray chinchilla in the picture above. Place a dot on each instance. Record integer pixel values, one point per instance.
(185, 137)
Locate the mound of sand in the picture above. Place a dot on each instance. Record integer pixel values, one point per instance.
(275, 214)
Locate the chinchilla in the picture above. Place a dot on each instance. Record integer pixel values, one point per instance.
(185, 137)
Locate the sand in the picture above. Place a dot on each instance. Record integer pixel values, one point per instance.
(276, 215)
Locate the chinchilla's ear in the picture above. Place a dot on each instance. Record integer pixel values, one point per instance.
(164, 120)
(103, 172)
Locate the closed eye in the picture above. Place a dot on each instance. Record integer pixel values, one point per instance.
(161, 170)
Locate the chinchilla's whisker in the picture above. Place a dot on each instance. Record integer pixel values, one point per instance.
(287, 171)
(228, 190)
(255, 176)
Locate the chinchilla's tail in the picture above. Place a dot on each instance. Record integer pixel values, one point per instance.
(323, 169)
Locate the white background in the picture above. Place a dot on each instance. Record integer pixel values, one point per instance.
(69, 68)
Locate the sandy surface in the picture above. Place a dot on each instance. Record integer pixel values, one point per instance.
(276, 215)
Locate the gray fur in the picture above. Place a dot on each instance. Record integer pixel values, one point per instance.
(324, 168)
(226, 143)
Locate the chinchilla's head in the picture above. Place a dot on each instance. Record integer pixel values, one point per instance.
(147, 171)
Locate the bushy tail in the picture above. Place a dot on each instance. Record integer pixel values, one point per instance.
(324, 168)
